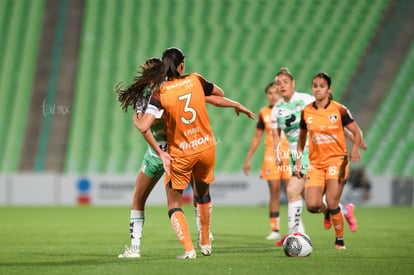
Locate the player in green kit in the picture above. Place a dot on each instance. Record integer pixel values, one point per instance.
(286, 117)
(151, 168)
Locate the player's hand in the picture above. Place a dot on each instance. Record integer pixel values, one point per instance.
(363, 146)
(298, 168)
(279, 161)
(166, 161)
(241, 109)
(354, 155)
(246, 167)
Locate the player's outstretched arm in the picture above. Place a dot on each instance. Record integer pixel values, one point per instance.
(224, 102)
(217, 91)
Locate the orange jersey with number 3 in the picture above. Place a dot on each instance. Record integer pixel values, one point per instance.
(183, 100)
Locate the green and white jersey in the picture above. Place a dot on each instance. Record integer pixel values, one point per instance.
(286, 116)
(158, 127)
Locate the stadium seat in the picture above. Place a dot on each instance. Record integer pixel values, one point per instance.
(239, 45)
(20, 25)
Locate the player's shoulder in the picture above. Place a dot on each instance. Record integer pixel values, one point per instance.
(307, 98)
(279, 104)
(265, 109)
(309, 106)
(337, 105)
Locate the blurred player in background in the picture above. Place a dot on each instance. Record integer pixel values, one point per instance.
(285, 117)
(191, 144)
(325, 121)
(270, 171)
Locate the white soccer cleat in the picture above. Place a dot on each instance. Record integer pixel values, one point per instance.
(129, 253)
(273, 236)
(206, 249)
(199, 238)
(188, 255)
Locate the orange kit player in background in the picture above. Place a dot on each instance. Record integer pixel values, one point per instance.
(270, 171)
(190, 141)
(325, 121)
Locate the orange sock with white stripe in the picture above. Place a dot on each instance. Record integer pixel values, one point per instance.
(205, 209)
(274, 221)
(338, 221)
(180, 227)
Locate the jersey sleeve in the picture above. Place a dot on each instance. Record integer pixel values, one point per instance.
(302, 123)
(154, 106)
(345, 115)
(207, 85)
(260, 123)
(273, 119)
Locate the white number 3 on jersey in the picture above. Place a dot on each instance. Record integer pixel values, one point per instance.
(187, 109)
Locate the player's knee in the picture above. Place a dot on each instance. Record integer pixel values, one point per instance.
(173, 210)
(203, 199)
(313, 208)
(334, 211)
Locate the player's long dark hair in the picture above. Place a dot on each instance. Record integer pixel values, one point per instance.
(167, 69)
(328, 79)
(135, 91)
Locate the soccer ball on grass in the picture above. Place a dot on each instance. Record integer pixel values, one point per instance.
(297, 245)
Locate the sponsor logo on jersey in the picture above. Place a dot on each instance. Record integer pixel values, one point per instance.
(194, 143)
(319, 138)
(333, 118)
(309, 120)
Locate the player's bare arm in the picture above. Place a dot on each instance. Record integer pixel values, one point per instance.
(144, 123)
(350, 136)
(277, 144)
(253, 146)
(224, 102)
(217, 91)
(354, 154)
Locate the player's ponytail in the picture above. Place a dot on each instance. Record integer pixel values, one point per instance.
(171, 59)
(134, 93)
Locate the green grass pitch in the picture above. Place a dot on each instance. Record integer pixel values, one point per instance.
(87, 240)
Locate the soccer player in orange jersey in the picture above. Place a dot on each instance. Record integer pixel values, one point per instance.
(270, 171)
(190, 141)
(325, 121)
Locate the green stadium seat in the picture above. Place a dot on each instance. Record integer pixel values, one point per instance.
(237, 44)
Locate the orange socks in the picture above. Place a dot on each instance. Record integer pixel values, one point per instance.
(180, 227)
(205, 210)
(338, 222)
(274, 221)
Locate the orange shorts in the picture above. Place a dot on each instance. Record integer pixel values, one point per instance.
(338, 170)
(200, 165)
(270, 171)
